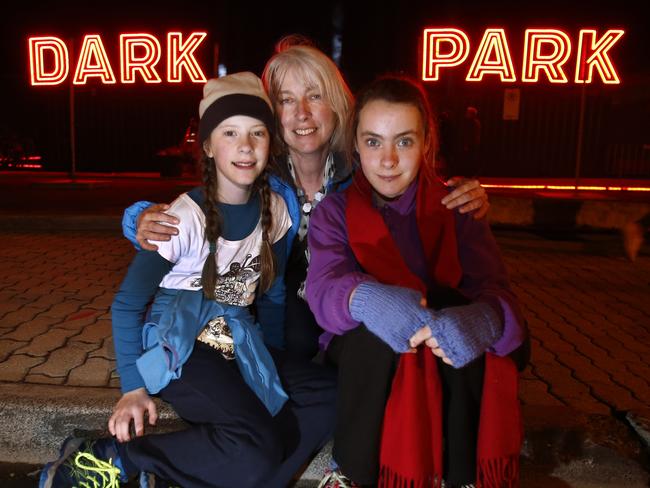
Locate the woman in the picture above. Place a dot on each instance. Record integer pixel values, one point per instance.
(312, 103)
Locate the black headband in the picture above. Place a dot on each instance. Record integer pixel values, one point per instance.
(234, 104)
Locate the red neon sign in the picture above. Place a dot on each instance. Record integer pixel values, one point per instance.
(535, 60)
(140, 53)
(492, 57)
(545, 53)
(144, 63)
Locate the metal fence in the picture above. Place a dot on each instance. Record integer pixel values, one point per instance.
(121, 128)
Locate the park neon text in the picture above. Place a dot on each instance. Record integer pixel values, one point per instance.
(140, 53)
(545, 54)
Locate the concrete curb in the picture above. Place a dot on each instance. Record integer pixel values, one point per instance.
(36, 418)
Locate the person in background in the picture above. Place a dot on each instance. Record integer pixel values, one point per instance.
(634, 234)
(419, 316)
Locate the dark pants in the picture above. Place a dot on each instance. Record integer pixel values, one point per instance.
(366, 369)
(301, 330)
(233, 441)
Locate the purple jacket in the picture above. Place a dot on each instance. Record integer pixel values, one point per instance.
(334, 272)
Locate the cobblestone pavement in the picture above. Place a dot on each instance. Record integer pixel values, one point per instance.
(588, 310)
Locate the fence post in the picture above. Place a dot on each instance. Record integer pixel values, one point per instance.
(581, 128)
(73, 135)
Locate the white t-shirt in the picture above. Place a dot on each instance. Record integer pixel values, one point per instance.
(238, 262)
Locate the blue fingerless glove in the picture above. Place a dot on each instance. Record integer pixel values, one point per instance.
(392, 313)
(130, 219)
(465, 332)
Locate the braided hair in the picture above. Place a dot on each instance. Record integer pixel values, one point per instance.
(214, 222)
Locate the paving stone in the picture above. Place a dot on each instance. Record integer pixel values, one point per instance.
(94, 371)
(61, 361)
(43, 379)
(8, 346)
(617, 396)
(17, 317)
(43, 344)
(94, 333)
(63, 309)
(28, 330)
(535, 392)
(106, 351)
(17, 366)
(80, 319)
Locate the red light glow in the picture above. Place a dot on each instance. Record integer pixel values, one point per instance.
(592, 54)
(565, 187)
(59, 67)
(435, 57)
(49, 59)
(145, 63)
(492, 57)
(93, 61)
(545, 51)
(551, 63)
(180, 55)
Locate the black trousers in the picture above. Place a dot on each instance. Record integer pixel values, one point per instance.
(366, 369)
(232, 440)
(301, 330)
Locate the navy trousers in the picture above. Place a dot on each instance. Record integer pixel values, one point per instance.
(232, 440)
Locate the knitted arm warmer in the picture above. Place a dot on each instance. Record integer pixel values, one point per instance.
(465, 332)
(392, 313)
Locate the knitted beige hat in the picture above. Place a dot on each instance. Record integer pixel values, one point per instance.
(236, 94)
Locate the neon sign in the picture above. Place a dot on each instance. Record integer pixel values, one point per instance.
(140, 53)
(545, 53)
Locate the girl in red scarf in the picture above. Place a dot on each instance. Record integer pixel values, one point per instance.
(419, 315)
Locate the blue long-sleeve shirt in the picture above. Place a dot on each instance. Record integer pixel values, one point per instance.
(148, 269)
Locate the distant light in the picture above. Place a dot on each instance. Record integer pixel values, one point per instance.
(565, 187)
(337, 48)
(222, 70)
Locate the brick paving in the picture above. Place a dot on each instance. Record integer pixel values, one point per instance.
(588, 310)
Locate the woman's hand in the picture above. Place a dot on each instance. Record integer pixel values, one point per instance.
(150, 227)
(131, 407)
(468, 195)
(424, 336)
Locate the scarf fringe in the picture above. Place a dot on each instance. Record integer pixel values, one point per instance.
(391, 479)
(498, 472)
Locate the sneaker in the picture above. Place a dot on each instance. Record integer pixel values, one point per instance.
(84, 464)
(632, 239)
(335, 479)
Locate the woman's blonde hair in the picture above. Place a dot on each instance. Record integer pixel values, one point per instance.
(315, 69)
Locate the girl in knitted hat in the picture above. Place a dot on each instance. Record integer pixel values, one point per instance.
(200, 348)
(419, 315)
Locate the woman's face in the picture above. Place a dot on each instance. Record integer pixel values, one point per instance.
(391, 143)
(306, 118)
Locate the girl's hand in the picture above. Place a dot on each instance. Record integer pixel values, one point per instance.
(131, 407)
(424, 336)
(150, 226)
(468, 195)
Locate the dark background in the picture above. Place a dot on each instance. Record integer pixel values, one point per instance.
(120, 128)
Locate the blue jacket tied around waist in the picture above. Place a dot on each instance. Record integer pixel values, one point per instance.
(177, 318)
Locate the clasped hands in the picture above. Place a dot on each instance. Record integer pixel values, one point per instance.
(425, 336)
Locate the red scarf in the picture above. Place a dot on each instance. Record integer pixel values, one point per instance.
(411, 446)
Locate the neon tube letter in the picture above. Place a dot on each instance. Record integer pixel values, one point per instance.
(433, 57)
(60, 66)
